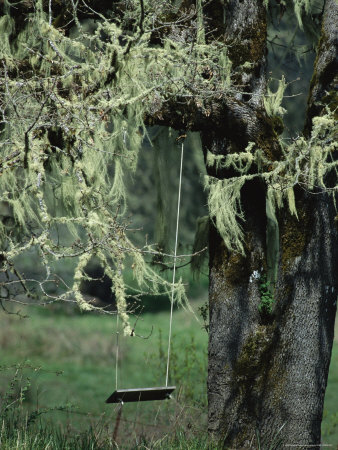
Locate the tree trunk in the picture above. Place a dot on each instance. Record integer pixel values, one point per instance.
(268, 373)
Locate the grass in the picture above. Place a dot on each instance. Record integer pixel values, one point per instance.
(69, 408)
(83, 347)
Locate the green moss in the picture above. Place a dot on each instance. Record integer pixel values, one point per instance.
(229, 269)
(267, 299)
(278, 124)
(232, 265)
(267, 138)
(253, 363)
(236, 268)
(293, 236)
(252, 45)
(255, 373)
(331, 100)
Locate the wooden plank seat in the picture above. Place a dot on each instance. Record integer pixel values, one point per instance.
(141, 395)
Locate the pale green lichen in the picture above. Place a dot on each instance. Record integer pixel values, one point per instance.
(301, 8)
(305, 162)
(225, 209)
(241, 161)
(273, 100)
(78, 276)
(74, 108)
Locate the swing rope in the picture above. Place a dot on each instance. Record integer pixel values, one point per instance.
(174, 269)
(117, 349)
(172, 288)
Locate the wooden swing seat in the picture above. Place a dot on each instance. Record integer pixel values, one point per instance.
(141, 395)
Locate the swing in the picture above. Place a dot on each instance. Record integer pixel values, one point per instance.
(152, 393)
(141, 395)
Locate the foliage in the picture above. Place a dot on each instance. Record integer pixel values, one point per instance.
(180, 440)
(204, 313)
(266, 292)
(74, 102)
(20, 429)
(187, 369)
(73, 107)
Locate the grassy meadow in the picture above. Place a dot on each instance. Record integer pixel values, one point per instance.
(58, 368)
(66, 365)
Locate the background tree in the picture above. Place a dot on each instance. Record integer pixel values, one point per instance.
(81, 82)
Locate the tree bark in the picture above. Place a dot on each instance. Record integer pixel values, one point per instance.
(267, 375)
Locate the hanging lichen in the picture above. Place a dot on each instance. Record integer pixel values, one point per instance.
(302, 8)
(304, 162)
(73, 107)
(225, 209)
(272, 101)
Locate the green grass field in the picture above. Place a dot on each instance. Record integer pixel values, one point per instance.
(68, 363)
(83, 348)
